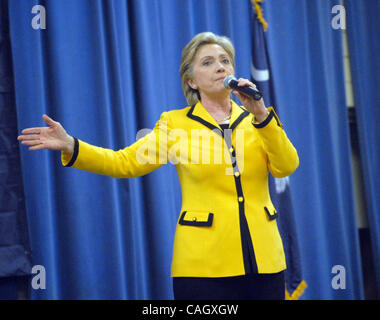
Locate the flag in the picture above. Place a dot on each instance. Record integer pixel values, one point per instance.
(279, 187)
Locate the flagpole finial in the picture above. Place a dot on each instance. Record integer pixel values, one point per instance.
(259, 13)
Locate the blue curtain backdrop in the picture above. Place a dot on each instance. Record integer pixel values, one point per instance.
(106, 69)
(363, 31)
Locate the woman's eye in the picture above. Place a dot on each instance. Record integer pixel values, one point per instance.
(206, 63)
(226, 61)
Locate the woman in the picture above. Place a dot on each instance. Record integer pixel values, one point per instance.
(227, 244)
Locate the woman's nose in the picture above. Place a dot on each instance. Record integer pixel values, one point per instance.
(220, 67)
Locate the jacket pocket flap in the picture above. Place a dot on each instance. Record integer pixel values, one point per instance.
(199, 219)
(272, 213)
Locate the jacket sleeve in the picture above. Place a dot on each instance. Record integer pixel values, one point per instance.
(140, 158)
(282, 156)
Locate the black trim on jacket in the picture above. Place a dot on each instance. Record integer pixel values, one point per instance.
(267, 120)
(249, 259)
(212, 126)
(75, 154)
(202, 121)
(196, 223)
(271, 216)
(239, 119)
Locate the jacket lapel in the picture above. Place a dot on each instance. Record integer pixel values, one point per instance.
(237, 115)
(200, 114)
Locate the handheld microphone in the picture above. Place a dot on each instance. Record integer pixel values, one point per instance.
(231, 82)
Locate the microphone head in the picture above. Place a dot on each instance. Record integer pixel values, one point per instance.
(227, 81)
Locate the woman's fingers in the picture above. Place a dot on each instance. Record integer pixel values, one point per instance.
(37, 147)
(31, 142)
(32, 130)
(241, 96)
(35, 144)
(245, 82)
(38, 138)
(29, 137)
(48, 120)
(53, 137)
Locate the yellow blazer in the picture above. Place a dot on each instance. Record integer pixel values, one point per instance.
(227, 225)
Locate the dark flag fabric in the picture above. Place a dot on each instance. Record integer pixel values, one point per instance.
(279, 187)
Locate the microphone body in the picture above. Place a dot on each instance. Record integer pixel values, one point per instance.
(231, 82)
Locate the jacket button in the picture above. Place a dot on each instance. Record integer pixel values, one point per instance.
(194, 219)
(241, 199)
(237, 173)
(231, 150)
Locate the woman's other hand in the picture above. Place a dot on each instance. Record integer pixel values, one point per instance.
(256, 107)
(53, 137)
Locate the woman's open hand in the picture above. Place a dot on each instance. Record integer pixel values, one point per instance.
(53, 137)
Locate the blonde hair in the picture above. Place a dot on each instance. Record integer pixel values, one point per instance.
(188, 54)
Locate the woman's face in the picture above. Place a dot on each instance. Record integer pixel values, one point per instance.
(211, 65)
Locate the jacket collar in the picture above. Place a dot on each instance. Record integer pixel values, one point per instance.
(200, 114)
